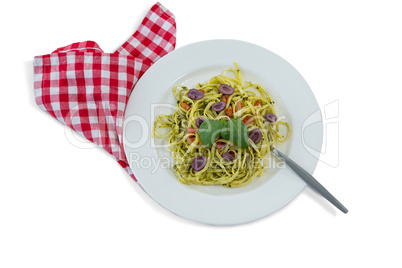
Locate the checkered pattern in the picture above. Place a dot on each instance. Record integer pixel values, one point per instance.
(87, 89)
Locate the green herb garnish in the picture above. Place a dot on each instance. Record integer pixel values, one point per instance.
(233, 130)
(209, 131)
(236, 131)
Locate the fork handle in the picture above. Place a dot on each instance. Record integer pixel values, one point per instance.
(311, 181)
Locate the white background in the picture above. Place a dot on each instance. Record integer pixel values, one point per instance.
(62, 206)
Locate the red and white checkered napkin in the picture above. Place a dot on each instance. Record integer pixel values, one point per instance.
(87, 89)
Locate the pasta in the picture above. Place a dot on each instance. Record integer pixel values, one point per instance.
(223, 161)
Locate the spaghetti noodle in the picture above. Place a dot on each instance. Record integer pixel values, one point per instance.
(226, 163)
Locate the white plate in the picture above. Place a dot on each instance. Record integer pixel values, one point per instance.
(198, 62)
